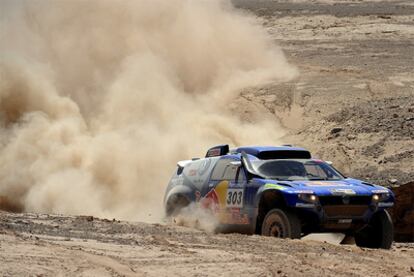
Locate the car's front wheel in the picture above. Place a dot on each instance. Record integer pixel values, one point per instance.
(379, 233)
(281, 224)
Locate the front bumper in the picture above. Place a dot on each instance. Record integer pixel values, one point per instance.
(341, 215)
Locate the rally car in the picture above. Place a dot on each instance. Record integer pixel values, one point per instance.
(282, 192)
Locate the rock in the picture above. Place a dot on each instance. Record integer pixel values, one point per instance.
(393, 181)
(384, 16)
(86, 217)
(394, 107)
(403, 212)
(351, 137)
(336, 130)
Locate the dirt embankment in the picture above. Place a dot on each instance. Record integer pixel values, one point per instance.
(353, 102)
(403, 212)
(39, 245)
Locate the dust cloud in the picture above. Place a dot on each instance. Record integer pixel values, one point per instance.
(197, 217)
(99, 99)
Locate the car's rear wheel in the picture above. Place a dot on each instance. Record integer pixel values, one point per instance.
(175, 204)
(379, 233)
(281, 224)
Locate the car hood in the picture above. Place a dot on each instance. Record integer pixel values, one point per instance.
(340, 187)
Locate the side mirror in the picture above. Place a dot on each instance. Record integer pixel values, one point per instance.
(329, 162)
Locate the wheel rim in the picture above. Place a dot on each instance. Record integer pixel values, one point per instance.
(276, 230)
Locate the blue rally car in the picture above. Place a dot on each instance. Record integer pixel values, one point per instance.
(281, 192)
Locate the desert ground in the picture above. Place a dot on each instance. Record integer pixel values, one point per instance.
(352, 104)
(44, 245)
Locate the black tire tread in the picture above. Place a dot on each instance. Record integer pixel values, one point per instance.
(370, 238)
(175, 204)
(290, 217)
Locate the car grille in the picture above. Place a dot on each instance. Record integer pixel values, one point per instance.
(344, 200)
(344, 210)
(344, 206)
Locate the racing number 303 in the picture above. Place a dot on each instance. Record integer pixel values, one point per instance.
(234, 198)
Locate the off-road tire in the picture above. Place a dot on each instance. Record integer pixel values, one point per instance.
(175, 204)
(379, 233)
(281, 224)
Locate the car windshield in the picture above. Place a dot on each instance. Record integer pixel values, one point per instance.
(293, 170)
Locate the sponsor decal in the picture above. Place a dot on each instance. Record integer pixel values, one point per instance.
(213, 152)
(343, 192)
(237, 218)
(211, 201)
(274, 186)
(215, 199)
(380, 191)
(234, 198)
(385, 204)
(302, 191)
(226, 203)
(304, 205)
(324, 183)
(234, 217)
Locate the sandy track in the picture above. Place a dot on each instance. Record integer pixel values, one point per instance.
(46, 245)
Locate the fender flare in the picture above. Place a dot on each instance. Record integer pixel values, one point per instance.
(269, 188)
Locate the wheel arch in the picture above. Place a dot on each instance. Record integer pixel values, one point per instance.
(178, 195)
(267, 200)
(379, 233)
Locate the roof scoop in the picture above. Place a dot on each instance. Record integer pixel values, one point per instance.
(218, 150)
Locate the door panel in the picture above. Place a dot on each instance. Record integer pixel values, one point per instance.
(226, 195)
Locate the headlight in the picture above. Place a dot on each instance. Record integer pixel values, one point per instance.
(306, 197)
(380, 197)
